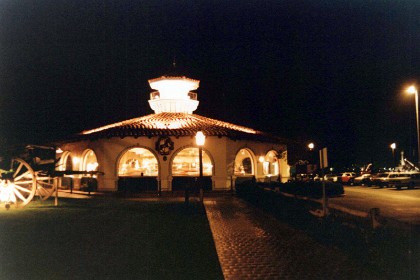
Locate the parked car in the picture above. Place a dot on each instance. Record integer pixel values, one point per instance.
(380, 179)
(364, 179)
(331, 177)
(347, 178)
(404, 179)
(317, 178)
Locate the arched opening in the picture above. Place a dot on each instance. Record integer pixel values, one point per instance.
(271, 166)
(186, 170)
(244, 168)
(65, 163)
(138, 170)
(89, 163)
(244, 163)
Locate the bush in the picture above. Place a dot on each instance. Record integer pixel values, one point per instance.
(309, 189)
(246, 186)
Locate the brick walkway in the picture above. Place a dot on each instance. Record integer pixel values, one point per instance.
(253, 245)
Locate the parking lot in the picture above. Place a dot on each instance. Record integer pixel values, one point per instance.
(403, 205)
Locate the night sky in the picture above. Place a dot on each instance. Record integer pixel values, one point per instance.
(332, 72)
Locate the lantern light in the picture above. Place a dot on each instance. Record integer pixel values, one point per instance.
(200, 138)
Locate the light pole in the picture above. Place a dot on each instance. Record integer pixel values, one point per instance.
(323, 163)
(200, 139)
(393, 147)
(311, 166)
(413, 90)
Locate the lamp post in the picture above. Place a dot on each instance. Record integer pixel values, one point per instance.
(413, 90)
(312, 160)
(393, 147)
(200, 139)
(311, 146)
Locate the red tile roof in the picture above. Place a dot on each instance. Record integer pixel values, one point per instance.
(176, 124)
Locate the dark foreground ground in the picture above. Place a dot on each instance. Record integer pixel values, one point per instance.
(107, 239)
(161, 238)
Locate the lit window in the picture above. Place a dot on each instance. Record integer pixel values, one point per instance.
(270, 164)
(186, 163)
(243, 163)
(138, 162)
(90, 163)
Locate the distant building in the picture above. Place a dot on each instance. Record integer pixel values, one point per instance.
(157, 152)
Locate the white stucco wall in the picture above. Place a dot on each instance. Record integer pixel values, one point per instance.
(221, 150)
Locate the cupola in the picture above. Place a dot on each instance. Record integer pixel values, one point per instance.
(174, 94)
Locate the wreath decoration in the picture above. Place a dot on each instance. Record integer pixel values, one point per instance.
(164, 145)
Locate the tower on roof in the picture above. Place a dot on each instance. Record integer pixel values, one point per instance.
(174, 94)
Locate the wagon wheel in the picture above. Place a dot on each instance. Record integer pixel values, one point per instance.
(45, 185)
(23, 181)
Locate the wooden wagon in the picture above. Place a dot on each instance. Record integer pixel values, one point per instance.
(30, 171)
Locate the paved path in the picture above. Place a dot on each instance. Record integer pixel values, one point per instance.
(254, 245)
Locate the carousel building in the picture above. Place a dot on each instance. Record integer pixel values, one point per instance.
(159, 152)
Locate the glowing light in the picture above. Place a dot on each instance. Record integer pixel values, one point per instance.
(261, 159)
(7, 192)
(138, 151)
(174, 95)
(143, 163)
(411, 90)
(92, 166)
(393, 146)
(208, 166)
(200, 138)
(311, 146)
(174, 87)
(76, 160)
(173, 105)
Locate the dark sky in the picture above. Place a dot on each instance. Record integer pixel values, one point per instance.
(325, 71)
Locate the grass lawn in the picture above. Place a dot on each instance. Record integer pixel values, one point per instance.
(107, 238)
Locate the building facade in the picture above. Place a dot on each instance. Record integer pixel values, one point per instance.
(158, 152)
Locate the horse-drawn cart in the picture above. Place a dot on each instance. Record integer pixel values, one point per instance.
(30, 171)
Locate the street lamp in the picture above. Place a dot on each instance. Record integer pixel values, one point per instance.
(393, 147)
(312, 161)
(200, 139)
(311, 146)
(413, 90)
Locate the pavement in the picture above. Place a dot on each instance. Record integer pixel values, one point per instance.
(253, 245)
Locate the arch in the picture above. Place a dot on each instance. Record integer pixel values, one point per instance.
(65, 162)
(137, 170)
(137, 162)
(244, 163)
(89, 161)
(184, 168)
(185, 162)
(271, 164)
